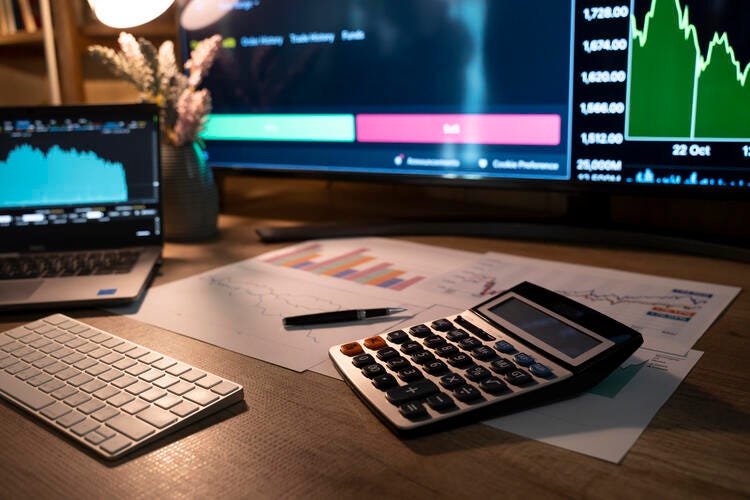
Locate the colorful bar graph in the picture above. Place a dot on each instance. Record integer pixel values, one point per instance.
(347, 265)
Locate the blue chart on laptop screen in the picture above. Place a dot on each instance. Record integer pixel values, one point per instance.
(79, 170)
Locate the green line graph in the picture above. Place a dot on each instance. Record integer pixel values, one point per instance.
(677, 93)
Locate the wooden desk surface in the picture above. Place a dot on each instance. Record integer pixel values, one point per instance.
(306, 435)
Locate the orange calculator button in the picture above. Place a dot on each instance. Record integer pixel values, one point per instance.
(375, 343)
(351, 349)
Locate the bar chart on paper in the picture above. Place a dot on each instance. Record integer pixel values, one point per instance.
(359, 265)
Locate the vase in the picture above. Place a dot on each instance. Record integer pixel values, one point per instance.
(189, 195)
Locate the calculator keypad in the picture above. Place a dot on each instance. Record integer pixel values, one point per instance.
(432, 371)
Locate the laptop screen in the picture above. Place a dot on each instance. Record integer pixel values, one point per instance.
(79, 177)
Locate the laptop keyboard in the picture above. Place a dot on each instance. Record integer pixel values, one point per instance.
(57, 265)
(103, 391)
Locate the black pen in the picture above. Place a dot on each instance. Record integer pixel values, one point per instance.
(340, 316)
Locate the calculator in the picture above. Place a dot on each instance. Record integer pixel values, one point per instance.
(524, 347)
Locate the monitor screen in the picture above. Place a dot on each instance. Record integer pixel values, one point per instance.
(554, 94)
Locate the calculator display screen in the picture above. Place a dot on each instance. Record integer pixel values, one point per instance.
(550, 330)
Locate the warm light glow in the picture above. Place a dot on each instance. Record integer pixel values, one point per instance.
(121, 14)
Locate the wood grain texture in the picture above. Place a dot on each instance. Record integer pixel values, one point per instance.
(308, 436)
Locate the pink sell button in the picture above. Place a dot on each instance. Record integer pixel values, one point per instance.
(521, 130)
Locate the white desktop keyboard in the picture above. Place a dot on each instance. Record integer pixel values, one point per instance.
(105, 392)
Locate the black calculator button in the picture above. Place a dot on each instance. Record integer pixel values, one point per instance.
(518, 377)
(433, 341)
(420, 331)
(413, 411)
(423, 357)
(440, 402)
(385, 381)
(409, 374)
(477, 373)
(417, 390)
(524, 359)
(436, 367)
(493, 385)
(505, 347)
(469, 343)
(397, 364)
(446, 350)
(541, 370)
(387, 353)
(372, 371)
(442, 325)
(502, 366)
(452, 380)
(456, 335)
(467, 394)
(362, 360)
(397, 337)
(483, 353)
(411, 347)
(460, 360)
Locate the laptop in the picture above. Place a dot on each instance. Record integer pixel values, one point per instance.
(80, 205)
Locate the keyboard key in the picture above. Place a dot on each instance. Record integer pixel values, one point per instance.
(435, 367)
(20, 391)
(411, 347)
(51, 386)
(456, 335)
(483, 353)
(168, 401)
(452, 380)
(440, 402)
(524, 359)
(442, 325)
(208, 381)
(201, 396)
(83, 428)
(420, 331)
(105, 393)
(375, 343)
(224, 388)
(362, 360)
(467, 394)
(90, 406)
(135, 406)
(164, 363)
(434, 341)
(152, 394)
(80, 379)
(111, 375)
(469, 343)
(423, 357)
(351, 349)
(193, 375)
(518, 377)
(460, 360)
(71, 419)
(385, 381)
(387, 353)
(64, 392)
(413, 411)
(137, 352)
(115, 444)
(540, 370)
(493, 385)
(120, 399)
(124, 381)
(180, 388)
(397, 337)
(505, 347)
(397, 364)
(178, 369)
(137, 370)
(111, 358)
(409, 374)
(184, 409)
(373, 370)
(477, 373)
(105, 414)
(151, 375)
(131, 427)
(411, 392)
(56, 411)
(151, 357)
(157, 417)
(127, 363)
(77, 399)
(502, 366)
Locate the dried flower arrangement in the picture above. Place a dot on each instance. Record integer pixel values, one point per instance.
(158, 79)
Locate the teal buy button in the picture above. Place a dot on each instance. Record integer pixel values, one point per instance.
(323, 128)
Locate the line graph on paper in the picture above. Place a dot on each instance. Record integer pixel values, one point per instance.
(240, 307)
(670, 314)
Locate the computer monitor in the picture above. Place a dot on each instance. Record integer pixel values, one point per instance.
(639, 96)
